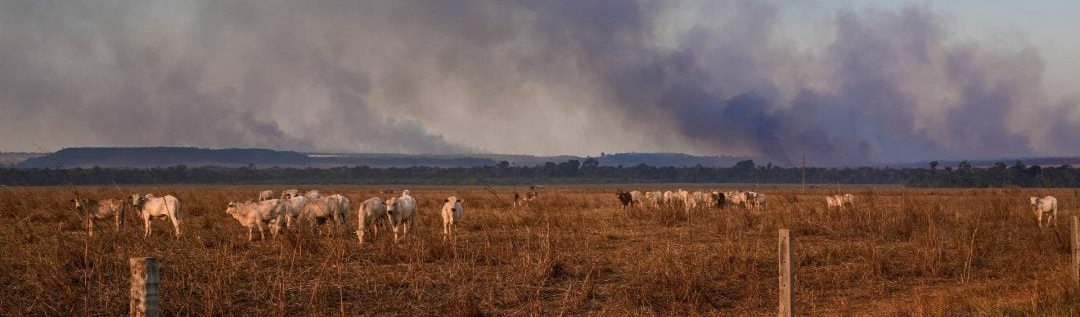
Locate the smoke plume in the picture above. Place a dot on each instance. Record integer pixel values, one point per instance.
(535, 77)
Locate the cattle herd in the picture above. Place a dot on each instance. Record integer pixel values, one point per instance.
(397, 212)
(690, 200)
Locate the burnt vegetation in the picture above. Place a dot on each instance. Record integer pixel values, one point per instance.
(897, 252)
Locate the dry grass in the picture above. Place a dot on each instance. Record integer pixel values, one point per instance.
(900, 252)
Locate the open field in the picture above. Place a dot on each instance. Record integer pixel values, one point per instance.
(899, 252)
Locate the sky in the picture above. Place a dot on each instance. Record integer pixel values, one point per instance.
(843, 82)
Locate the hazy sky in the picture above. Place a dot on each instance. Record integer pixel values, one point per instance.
(840, 81)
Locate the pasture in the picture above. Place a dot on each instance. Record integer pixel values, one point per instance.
(572, 251)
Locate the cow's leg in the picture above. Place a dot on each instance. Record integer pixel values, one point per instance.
(259, 224)
(146, 226)
(176, 225)
(1040, 220)
(89, 225)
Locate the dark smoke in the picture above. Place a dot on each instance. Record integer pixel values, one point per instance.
(540, 77)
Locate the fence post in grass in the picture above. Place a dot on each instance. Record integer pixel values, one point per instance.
(787, 275)
(1076, 251)
(145, 282)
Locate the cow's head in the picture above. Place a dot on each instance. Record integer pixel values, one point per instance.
(137, 200)
(78, 203)
(231, 209)
(1034, 200)
(453, 203)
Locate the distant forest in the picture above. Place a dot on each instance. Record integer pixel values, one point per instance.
(588, 171)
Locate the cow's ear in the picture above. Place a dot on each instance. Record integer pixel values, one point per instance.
(72, 200)
(446, 200)
(460, 200)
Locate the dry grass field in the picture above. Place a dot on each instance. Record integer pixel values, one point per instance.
(899, 252)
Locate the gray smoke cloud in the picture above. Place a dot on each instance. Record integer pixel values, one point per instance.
(536, 77)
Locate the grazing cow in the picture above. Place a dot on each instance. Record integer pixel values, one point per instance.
(840, 201)
(289, 193)
(372, 213)
(99, 210)
(669, 197)
(149, 207)
(624, 198)
(655, 198)
(293, 207)
(636, 198)
(313, 194)
(1045, 206)
(695, 200)
(318, 211)
(400, 211)
(252, 214)
(451, 214)
(266, 194)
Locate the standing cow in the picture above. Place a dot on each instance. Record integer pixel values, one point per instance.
(1045, 206)
(260, 214)
(400, 212)
(321, 210)
(149, 207)
(289, 193)
(95, 210)
(451, 214)
(624, 198)
(293, 208)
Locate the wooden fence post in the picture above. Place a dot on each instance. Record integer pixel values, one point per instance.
(145, 282)
(1076, 251)
(787, 275)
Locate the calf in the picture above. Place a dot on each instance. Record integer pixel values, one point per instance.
(149, 207)
(293, 207)
(95, 210)
(266, 194)
(259, 214)
(451, 214)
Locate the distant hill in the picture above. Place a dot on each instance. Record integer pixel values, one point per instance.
(671, 159)
(117, 157)
(9, 159)
(165, 156)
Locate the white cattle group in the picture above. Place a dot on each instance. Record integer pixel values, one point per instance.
(399, 212)
(690, 200)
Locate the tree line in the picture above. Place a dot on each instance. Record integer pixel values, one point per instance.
(588, 171)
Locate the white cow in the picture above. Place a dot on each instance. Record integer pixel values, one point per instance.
(636, 198)
(451, 214)
(1045, 206)
(737, 198)
(655, 198)
(149, 207)
(840, 201)
(313, 194)
(99, 210)
(400, 211)
(252, 214)
(755, 200)
(695, 200)
(294, 206)
(669, 197)
(266, 194)
(318, 211)
(371, 214)
(289, 193)
(343, 206)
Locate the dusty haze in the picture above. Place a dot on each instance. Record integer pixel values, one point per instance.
(530, 77)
